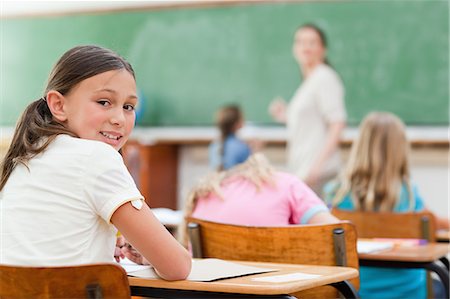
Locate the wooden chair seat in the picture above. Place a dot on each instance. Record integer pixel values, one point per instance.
(87, 281)
(327, 244)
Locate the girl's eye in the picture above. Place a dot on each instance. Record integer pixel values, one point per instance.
(103, 102)
(128, 107)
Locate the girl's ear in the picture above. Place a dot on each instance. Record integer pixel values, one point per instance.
(55, 102)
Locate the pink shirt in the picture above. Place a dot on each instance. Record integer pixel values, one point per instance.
(290, 201)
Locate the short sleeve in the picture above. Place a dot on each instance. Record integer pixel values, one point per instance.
(305, 204)
(418, 200)
(330, 95)
(243, 154)
(404, 203)
(108, 184)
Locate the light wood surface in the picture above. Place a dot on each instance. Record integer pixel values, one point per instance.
(420, 253)
(389, 225)
(293, 244)
(443, 235)
(246, 284)
(64, 282)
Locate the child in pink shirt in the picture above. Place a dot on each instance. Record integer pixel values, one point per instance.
(254, 194)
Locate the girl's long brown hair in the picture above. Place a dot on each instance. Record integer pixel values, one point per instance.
(227, 119)
(378, 165)
(37, 128)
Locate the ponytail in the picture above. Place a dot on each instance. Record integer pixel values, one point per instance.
(227, 119)
(36, 122)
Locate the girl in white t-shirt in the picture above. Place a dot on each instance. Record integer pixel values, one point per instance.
(64, 189)
(315, 116)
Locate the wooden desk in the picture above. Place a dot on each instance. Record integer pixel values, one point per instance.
(245, 287)
(422, 256)
(443, 236)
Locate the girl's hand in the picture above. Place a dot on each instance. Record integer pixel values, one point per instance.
(120, 242)
(277, 109)
(133, 255)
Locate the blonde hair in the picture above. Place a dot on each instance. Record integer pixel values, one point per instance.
(255, 169)
(378, 165)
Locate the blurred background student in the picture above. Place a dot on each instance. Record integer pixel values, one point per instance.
(228, 150)
(377, 179)
(315, 116)
(254, 193)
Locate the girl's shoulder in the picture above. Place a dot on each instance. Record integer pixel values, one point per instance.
(83, 147)
(284, 179)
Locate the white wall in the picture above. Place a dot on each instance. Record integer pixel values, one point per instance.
(429, 170)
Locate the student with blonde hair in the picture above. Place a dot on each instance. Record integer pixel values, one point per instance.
(377, 178)
(254, 193)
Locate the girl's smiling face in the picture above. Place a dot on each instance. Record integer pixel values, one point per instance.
(102, 107)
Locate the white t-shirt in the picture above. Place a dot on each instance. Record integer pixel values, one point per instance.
(318, 102)
(57, 211)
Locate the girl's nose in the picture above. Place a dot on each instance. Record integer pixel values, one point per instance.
(118, 118)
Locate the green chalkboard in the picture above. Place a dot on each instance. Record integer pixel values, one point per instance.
(392, 55)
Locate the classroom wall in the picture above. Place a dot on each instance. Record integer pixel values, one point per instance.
(189, 60)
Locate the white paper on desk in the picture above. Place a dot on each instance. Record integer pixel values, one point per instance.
(167, 216)
(211, 269)
(372, 246)
(130, 266)
(287, 277)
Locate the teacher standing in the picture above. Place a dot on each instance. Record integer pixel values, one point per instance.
(315, 116)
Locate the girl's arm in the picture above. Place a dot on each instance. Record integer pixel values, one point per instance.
(332, 142)
(143, 230)
(322, 218)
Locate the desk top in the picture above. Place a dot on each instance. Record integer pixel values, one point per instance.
(246, 284)
(443, 235)
(421, 253)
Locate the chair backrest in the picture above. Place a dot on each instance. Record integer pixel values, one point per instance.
(326, 244)
(421, 225)
(87, 281)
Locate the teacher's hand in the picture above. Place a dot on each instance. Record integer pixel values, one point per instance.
(277, 109)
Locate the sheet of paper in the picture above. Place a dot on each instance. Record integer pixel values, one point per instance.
(210, 269)
(372, 246)
(168, 216)
(130, 266)
(287, 277)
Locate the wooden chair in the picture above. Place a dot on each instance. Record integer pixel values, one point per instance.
(87, 281)
(328, 244)
(420, 225)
